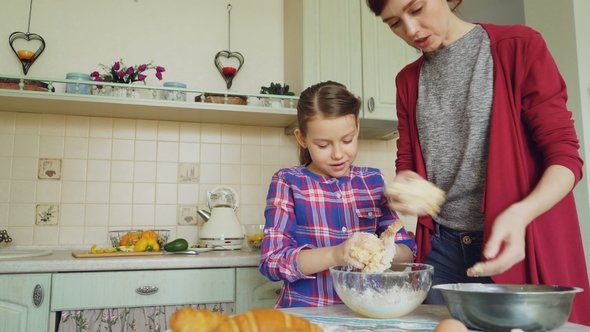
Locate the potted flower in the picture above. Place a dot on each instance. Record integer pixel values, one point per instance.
(275, 89)
(120, 73)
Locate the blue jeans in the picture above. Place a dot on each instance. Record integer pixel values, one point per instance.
(453, 252)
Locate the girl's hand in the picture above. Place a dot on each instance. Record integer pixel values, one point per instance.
(366, 241)
(509, 230)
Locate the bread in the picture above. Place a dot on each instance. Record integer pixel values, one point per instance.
(418, 195)
(267, 320)
(187, 319)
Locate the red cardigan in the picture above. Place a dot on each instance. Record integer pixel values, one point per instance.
(531, 129)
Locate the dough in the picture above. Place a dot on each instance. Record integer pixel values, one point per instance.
(418, 195)
(376, 253)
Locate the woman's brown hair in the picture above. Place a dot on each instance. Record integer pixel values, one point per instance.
(378, 5)
(324, 100)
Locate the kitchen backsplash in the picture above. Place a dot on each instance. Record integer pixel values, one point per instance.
(68, 180)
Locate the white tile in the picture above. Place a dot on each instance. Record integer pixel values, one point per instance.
(190, 233)
(189, 152)
(51, 146)
(72, 215)
(73, 192)
(231, 154)
(99, 170)
(22, 191)
(46, 235)
(251, 154)
(99, 148)
(122, 171)
(74, 170)
(27, 124)
(97, 192)
(124, 128)
(96, 215)
(190, 132)
(21, 215)
(48, 191)
(363, 159)
(53, 125)
(101, 127)
(230, 174)
(251, 214)
(121, 193)
(145, 171)
(188, 194)
(269, 155)
(378, 145)
(289, 156)
(145, 150)
(120, 215)
(391, 145)
(144, 193)
(250, 194)
(210, 173)
(168, 151)
(168, 131)
(26, 146)
(7, 122)
(146, 130)
(5, 191)
(21, 235)
(378, 159)
(250, 174)
(251, 135)
(3, 214)
(188, 173)
(288, 140)
(6, 145)
(271, 136)
(77, 126)
(210, 153)
(144, 215)
(76, 147)
(71, 235)
(165, 215)
(210, 133)
(96, 235)
(166, 193)
(123, 149)
(167, 172)
(231, 134)
(24, 168)
(266, 174)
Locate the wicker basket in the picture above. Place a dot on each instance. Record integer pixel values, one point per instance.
(220, 99)
(13, 84)
(115, 236)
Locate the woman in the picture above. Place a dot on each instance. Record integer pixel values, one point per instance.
(482, 114)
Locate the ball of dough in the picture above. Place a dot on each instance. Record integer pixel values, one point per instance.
(450, 325)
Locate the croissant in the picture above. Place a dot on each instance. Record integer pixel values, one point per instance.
(267, 320)
(187, 319)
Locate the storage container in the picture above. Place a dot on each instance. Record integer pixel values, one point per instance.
(84, 89)
(174, 95)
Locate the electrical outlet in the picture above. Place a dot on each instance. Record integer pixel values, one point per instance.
(187, 215)
(47, 214)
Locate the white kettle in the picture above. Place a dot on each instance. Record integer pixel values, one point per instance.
(222, 230)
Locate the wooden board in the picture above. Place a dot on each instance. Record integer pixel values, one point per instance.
(88, 254)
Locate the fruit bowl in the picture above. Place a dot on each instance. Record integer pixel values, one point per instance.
(254, 235)
(117, 236)
(389, 294)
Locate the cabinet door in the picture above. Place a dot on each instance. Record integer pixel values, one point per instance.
(24, 302)
(384, 55)
(253, 290)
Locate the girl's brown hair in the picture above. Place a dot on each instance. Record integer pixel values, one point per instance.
(378, 5)
(324, 100)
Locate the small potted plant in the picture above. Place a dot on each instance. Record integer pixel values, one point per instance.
(275, 89)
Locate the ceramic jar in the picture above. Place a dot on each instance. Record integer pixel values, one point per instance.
(83, 89)
(172, 94)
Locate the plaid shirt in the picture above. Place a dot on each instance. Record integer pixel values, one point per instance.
(305, 211)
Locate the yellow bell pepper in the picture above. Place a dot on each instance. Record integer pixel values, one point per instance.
(147, 244)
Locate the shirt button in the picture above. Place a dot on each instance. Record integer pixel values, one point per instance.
(370, 214)
(338, 195)
(466, 240)
(344, 229)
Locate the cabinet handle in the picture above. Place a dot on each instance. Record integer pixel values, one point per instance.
(146, 290)
(371, 104)
(38, 296)
(278, 291)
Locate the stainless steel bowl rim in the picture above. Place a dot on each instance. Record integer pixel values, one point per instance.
(490, 289)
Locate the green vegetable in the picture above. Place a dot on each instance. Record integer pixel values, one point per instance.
(176, 245)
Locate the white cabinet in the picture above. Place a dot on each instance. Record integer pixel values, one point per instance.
(253, 290)
(343, 41)
(24, 302)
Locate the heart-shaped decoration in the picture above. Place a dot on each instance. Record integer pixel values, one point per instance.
(26, 57)
(227, 72)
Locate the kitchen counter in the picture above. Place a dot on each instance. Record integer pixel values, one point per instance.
(63, 261)
(339, 318)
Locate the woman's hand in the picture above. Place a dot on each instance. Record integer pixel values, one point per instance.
(395, 200)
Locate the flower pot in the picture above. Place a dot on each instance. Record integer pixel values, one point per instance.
(272, 102)
(124, 92)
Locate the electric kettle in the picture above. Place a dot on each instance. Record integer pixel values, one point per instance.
(222, 230)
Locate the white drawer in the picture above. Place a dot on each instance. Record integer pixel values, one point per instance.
(96, 290)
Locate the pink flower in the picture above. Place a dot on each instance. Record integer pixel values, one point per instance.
(141, 77)
(121, 73)
(96, 75)
(130, 70)
(160, 69)
(159, 75)
(117, 66)
(142, 67)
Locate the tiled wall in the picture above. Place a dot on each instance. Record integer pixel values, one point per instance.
(124, 173)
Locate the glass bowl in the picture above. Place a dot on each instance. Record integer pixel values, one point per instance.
(254, 235)
(116, 236)
(389, 294)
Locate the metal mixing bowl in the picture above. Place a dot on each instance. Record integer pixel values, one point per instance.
(389, 294)
(498, 307)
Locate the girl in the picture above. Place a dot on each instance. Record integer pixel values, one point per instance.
(482, 115)
(314, 209)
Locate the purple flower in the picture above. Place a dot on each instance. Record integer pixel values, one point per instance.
(130, 70)
(142, 67)
(141, 77)
(159, 75)
(160, 70)
(121, 74)
(117, 66)
(95, 74)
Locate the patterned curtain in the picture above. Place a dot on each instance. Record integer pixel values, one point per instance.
(149, 319)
